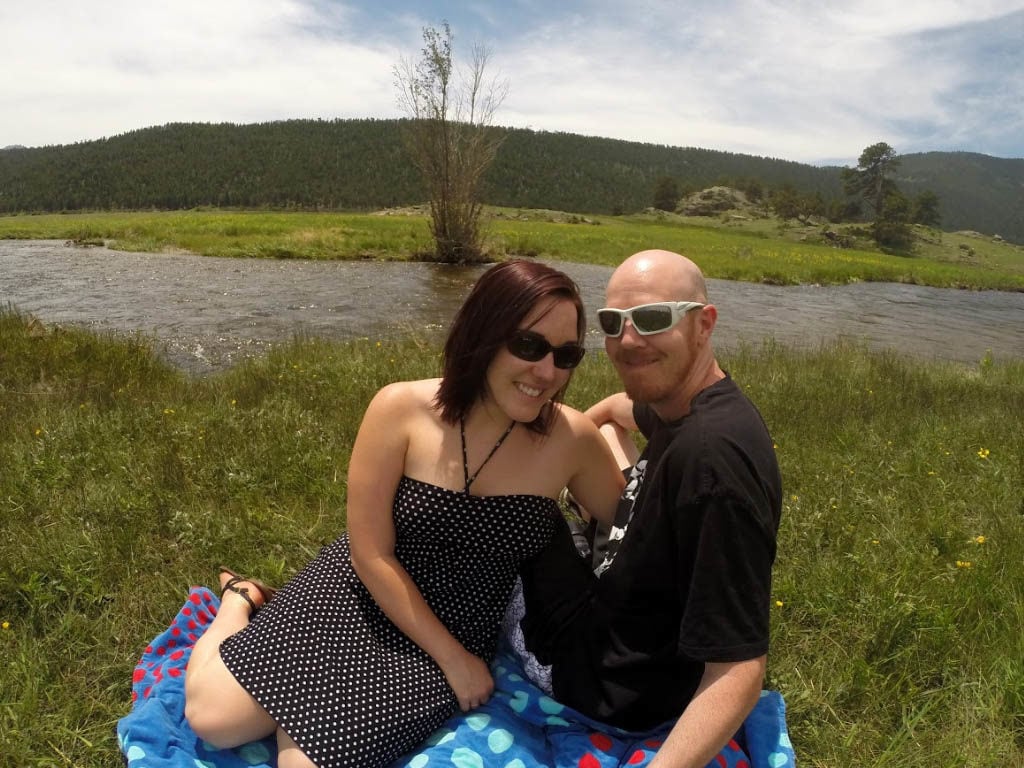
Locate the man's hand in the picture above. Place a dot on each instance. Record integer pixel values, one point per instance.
(727, 693)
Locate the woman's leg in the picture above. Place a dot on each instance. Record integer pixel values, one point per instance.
(220, 710)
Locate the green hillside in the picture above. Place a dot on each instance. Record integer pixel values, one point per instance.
(979, 192)
(361, 165)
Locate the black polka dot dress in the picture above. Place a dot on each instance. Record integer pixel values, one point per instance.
(343, 681)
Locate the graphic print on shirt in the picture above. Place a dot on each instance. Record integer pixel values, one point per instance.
(623, 515)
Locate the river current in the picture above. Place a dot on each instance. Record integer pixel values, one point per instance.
(205, 314)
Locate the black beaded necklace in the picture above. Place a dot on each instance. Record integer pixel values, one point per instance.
(465, 461)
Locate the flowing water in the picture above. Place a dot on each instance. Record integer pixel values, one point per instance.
(204, 313)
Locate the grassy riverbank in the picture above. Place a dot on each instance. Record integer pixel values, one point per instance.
(755, 250)
(898, 600)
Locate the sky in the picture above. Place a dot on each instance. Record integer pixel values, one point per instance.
(813, 82)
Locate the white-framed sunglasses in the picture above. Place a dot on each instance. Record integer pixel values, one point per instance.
(647, 319)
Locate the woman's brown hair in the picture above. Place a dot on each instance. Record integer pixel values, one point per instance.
(503, 296)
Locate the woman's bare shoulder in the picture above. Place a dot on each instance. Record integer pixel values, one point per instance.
(406, 396)
(572, 423)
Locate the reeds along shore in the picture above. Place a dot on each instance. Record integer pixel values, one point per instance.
(763, 250)
(897, 601)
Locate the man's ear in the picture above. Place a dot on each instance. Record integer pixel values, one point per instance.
(708, 318)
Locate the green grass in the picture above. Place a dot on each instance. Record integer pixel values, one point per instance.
(898, 600)
(233, 233)
(755, 250)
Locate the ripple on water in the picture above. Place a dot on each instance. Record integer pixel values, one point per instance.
(208, 313)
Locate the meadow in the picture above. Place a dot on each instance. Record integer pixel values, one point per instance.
(897, 601)
(754, 250)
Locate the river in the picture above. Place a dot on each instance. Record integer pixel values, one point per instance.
(205, 313)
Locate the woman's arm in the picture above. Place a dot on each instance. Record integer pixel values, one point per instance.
(376, 466)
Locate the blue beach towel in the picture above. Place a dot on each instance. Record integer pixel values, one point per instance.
(520, 727)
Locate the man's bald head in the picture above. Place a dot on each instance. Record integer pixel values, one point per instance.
(669, 274)
(667, 368)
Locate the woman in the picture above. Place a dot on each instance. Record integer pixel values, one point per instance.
(451, 484)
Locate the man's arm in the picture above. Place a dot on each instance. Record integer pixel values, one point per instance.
(614, 417)
(615, 409)
(726, 695)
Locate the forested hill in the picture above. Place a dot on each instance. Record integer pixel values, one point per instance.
(355, 164)
(976, 192)
(361, 165)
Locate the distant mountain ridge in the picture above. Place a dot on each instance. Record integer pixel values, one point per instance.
(977, 192)
(361, 165)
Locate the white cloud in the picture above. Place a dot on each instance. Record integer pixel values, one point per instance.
(803, 81)
(799, 80)
(115, 66)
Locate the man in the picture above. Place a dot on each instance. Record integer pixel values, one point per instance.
(674, 625)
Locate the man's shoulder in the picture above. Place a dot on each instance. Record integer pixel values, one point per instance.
(716, 411)
(724, 408)
(725, 390)
(723, 445)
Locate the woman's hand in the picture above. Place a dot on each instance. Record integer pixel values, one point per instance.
(470, 679)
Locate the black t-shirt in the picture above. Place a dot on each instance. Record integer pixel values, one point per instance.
(690, 578)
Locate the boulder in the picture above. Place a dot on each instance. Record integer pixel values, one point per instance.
(713, 201)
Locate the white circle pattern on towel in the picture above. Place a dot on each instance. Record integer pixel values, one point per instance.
(343, 681)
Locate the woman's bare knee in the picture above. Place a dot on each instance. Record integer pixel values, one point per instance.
(208, 724)
(288, 753)
(224, 727)
(220, 711)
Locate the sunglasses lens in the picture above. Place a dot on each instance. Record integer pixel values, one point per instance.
(568, 356)
(528, 347)
(651, 319)
(532, 347)
(611, 322)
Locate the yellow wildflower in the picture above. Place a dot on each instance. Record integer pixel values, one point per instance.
(779, 603)
(983, 453)
(963, 563)
(979, 539)
(6, 625)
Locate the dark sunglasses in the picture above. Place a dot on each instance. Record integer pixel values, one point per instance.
(531, 347)
(647, 319)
